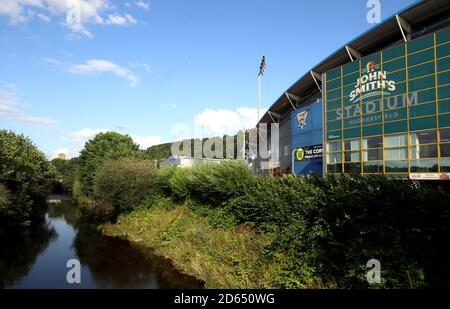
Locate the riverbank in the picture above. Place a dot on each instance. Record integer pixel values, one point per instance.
(221, 258)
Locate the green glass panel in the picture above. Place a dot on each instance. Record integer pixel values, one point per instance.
(335, 73)
(334, 136)
(444, 106)
(331, 85)
(444, 120)
(421, 70)
(334, 125)
(333, 115)
(348, 89)
(443, 50)
(333, 104)
(371, 118)
(371, 107)
(395, 102)
(422, 110)
(394, 127)
(393, 53)
(400, 88)
(419, 44)
(351, 67)
(351, 111)
(399, 76)
(443, 36)
(350, 79)
(374, 57)
(352, 133)
(421, 57)
(334, 94)
(422, 123)
(421, 83)
(443, 92)
(394, 65)
(443, 78)
(396, 114)
(372, 130)
(351, 122)
(426, 95)
(443, 64)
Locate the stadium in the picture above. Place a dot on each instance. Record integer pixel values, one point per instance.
(380, 104)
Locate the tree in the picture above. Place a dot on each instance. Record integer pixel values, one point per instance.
(24, 172)
(104, 146)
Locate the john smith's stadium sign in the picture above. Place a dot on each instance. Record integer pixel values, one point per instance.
(372, 83)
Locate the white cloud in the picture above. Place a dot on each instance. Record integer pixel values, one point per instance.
(10, 108)
(143, 5)
(116, 19)
(73, 14)
(146, 141)
(85, 134)
(96, 66)
(224, 121)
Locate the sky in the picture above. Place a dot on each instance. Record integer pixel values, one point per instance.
(159, 70)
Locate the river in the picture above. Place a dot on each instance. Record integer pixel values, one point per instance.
(37, 258)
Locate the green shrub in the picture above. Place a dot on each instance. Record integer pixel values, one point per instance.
(103, 147)
(333, 226)
(5, 196)
(214, 184)
(124, 183)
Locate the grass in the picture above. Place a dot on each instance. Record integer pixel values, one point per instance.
(221, 258)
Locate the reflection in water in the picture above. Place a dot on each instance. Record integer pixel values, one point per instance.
(38, 259)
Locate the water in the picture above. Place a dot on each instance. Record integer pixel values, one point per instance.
(37, 258)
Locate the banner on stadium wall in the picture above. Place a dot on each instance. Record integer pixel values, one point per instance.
(309, 153)
(429, 176)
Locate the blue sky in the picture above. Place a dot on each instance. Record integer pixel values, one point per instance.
(146, 68)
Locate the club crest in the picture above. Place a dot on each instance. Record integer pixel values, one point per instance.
(301, 118)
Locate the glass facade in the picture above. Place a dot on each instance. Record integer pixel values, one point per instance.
(389, 112)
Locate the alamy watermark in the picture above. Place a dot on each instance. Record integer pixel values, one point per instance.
(374, 14)
(73, 15)
(73, 276)
(373, 276)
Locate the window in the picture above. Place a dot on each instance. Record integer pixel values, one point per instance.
(373, 167)
(396, 166)
(334, 146)
(372, 142)
(352, 168)
(353, 144)
(373, 154)
(445, 165)
(398, 140)
(334, 157)
(445, 150)
(396, 154)
(425, 137)
(444, 135)
(352, 156)
(429, 166)
(426, 151)
(334, 168)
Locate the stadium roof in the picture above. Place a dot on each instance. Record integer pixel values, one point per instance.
(394, 29)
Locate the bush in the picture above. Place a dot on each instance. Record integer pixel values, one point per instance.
(124, 183)
(212, 184)
(333, 226)
(103, 147)
(5, 196)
